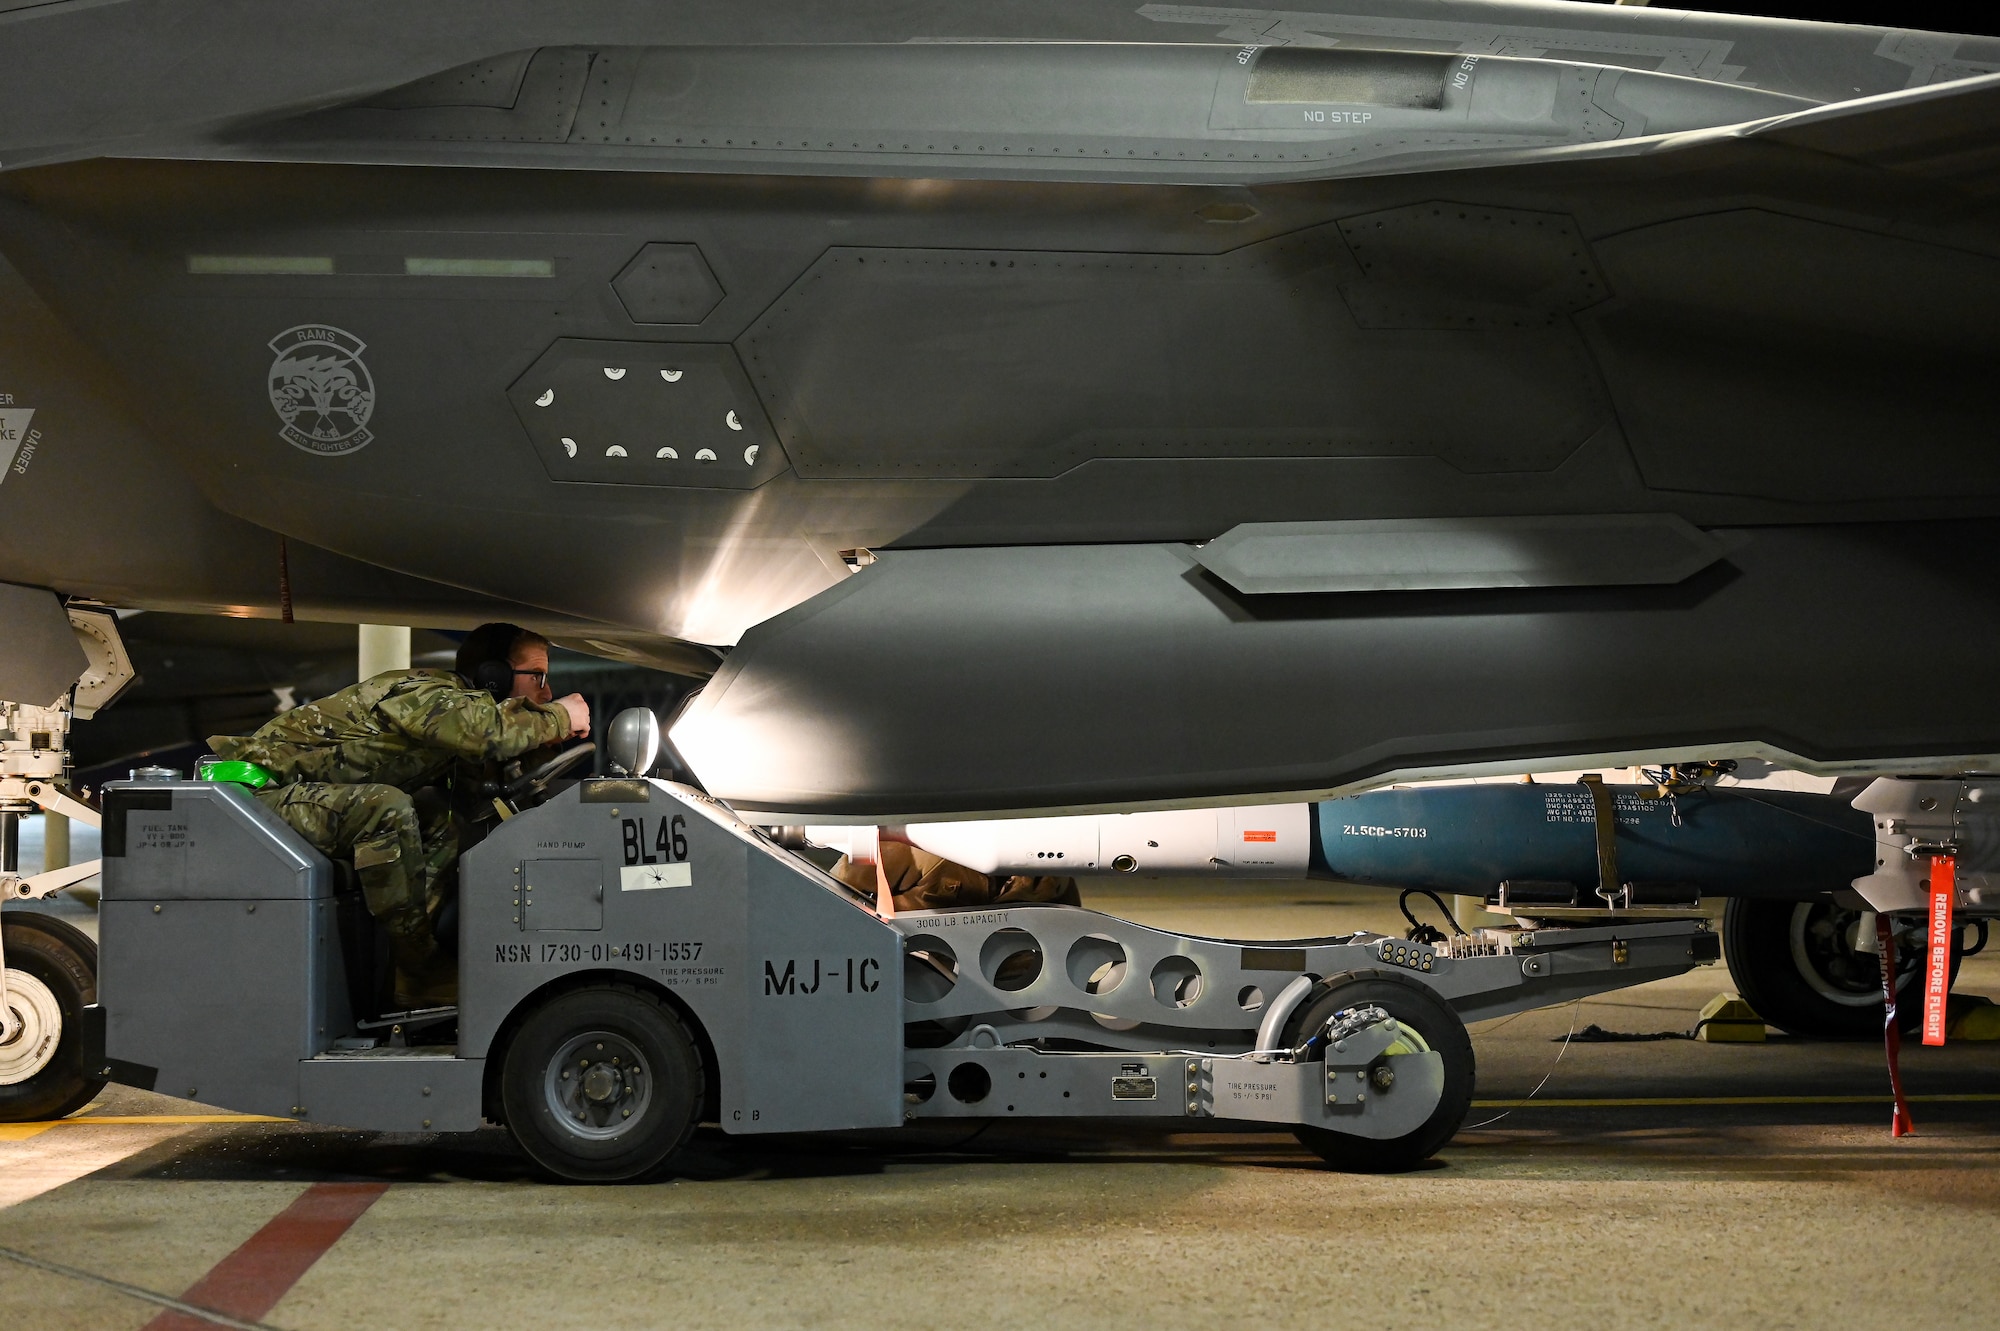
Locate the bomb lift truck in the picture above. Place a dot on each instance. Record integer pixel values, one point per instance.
(635, 960)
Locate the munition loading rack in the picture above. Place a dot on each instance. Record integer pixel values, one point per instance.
(613, 995)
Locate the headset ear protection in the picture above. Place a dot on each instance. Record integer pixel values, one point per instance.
(496, 677)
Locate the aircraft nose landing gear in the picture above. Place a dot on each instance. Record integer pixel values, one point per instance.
(51, 978)
(33, 1028)
(1811, 968)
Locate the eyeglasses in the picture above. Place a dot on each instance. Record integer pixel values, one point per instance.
(541, 677)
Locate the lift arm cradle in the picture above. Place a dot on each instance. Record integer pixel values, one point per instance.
(222, 980)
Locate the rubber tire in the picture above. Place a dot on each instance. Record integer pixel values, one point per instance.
(1757, 945)
(63, 958)
(1414, 1004)
(673, 1058)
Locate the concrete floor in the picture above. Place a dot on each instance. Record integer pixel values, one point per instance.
(1751, 1186)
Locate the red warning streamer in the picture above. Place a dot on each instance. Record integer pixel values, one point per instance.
(1937, 969)
(1892, 1035)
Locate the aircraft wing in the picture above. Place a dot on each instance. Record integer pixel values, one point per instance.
(1949, 133)
(208, 76)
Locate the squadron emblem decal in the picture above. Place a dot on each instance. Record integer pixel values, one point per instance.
(321, 390)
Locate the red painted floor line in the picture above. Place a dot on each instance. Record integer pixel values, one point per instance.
(249, 1282)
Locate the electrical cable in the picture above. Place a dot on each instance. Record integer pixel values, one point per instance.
(1741, 793)
(1403, 904)
(961, 1145)
(1575, 1008)
(1664, 777)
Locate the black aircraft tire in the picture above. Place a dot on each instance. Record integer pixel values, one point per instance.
(1413, 1004)
(572, 1099)
(1768, 944)
(61, 962)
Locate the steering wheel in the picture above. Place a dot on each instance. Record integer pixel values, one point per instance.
(531, 785)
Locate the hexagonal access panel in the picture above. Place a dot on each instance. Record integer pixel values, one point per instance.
(668, 284)
(646, 413)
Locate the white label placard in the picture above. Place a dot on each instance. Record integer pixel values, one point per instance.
(648, 877)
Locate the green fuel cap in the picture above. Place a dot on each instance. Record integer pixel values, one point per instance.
(243, 774)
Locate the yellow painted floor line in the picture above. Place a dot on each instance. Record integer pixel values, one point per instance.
(172, 1118)
(17, 1132)
(1675, 1102)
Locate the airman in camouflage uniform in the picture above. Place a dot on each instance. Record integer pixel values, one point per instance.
(346, 767)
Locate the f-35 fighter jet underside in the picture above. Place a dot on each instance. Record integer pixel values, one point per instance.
(1053, 405)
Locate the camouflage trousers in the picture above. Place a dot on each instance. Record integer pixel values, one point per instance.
(398, 853)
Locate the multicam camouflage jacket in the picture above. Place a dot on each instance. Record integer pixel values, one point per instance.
(404, 728)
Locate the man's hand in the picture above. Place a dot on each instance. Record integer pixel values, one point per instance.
(579, 712)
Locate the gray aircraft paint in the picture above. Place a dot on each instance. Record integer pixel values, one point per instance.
(1354, 349)
(1672, 292)
(1101, 676)
(179, 69)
